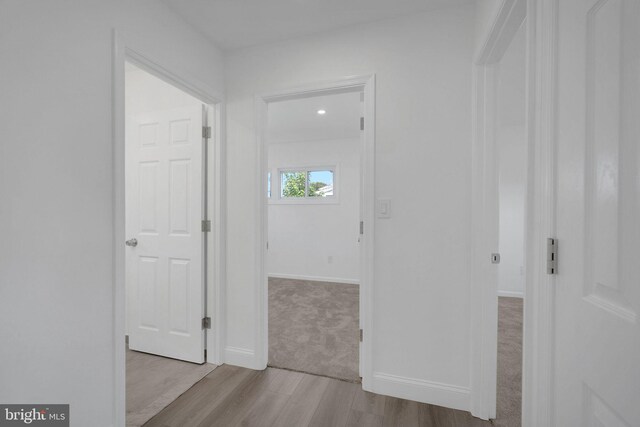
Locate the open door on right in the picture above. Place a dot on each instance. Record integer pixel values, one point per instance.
(597, 341)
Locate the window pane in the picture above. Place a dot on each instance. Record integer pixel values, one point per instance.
(320, 183)
(293, 184)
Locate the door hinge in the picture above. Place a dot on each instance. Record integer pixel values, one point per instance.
(495, 258)
(552, 256)
(206, 225)
(361, 227)
(206, 132)
(206, 323)
(361, 123)
(361, 335)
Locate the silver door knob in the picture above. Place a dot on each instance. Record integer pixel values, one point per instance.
(132, 242)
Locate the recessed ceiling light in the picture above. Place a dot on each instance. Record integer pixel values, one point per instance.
(322, 112)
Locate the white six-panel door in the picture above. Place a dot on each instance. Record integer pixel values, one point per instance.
(597, 350)
(164, 204)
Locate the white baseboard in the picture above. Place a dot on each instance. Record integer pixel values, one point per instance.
(315, 278)
(511, 294)
(242, 357)
(447, 395)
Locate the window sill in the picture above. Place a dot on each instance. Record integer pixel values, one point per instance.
(305, 201)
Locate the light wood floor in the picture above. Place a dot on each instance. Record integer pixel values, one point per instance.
(232, 396)
(153, 382)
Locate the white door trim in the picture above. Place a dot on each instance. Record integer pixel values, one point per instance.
(367, 85)
(540, 211)
(484, 310)
(539, 325)
(125, 49)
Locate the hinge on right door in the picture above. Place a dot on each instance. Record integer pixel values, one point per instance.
(206, 225)
(206, 323)
(552, 256)
(361, 335)
(206, 132)
(361, 123)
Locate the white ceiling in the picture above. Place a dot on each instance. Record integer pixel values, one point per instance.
(298, 120)
(233, 24)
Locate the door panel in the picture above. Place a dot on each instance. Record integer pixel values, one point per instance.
(598, 283)
(164, 209)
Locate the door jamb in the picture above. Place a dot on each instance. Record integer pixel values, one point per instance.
(367, 85)
(537, 386)
(539, 312)
(125, 50)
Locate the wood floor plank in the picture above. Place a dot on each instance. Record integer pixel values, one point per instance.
(265, 410)
(364, 419)
(303, 403)
(426, 416)
(369, 403)
(335, 405)
(238, 402)
(463, 418)
(283, 381)
(437, 416)
(400, 412)
(194, 405)
(444, 417)
(256, 402)
(153, 382)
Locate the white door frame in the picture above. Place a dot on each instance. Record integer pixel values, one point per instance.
(537, 375)
(126, 50)
(366, 84)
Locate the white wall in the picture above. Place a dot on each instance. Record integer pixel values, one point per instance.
(316, 241)
(423, 162)
(56, 191)
(512, 151)
(146, 93)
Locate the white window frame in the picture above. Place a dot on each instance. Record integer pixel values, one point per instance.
(276, 186)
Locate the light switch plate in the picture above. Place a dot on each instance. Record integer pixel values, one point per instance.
(384, 208)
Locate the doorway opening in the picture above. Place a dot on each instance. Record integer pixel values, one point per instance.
(511, 150)
(506, 243)
(314, 148)
(363, 89)
(166, 138)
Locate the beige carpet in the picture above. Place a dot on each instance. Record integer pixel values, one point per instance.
(509, 362)
(313, 327)
(153, 382)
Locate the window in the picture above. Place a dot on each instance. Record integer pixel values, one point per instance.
(293, 184)
(320, 183)
(307, 183)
